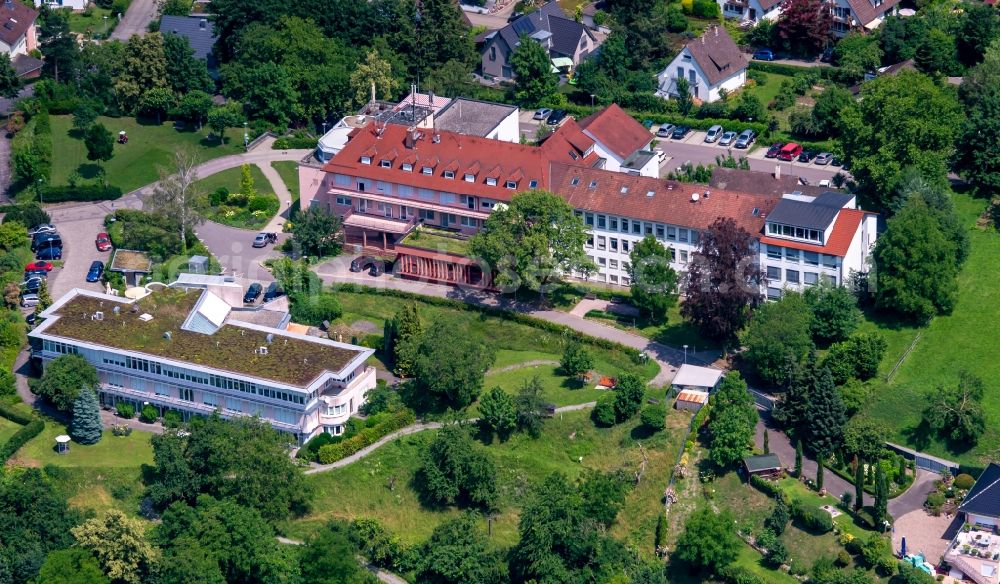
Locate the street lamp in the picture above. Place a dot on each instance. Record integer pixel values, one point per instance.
(324, 128)
(105, 25)
(246, 137)
(591, 101)
(38, 187)
(685, 354)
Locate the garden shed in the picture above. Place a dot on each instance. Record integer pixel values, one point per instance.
(764, 465)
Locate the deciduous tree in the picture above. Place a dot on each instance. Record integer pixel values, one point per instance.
(857, 54)
(455, 470)
(534, 81)
(629, 393)
(530, 407)
(62, 380)
(956, 412)
(185, 73)
(723, 281)
(317, 232)
(654, 282)
(143, 67)
(71, 566)
(177, 196)
(778, 336)
(373, 71)
(708, 542)
(804, 26)
(532, 242)
(835, 312)
(978, 160)
(449, 366)
(100, 144)
(497, 413)
(732, 421)
(576, 359)
(120, 545)
(156, 103)
(458, 552)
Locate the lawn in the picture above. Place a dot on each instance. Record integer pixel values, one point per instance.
(557, 389)
(289, 172)
(111, 452)
(963, 340)
(7, 429)
(769, 90)
(135, 164)
(239, 214)
(379, 486)
(675, 333)
(91, 21)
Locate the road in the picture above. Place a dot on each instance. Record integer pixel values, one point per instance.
(136, 20)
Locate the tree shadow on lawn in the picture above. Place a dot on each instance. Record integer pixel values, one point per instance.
(921, 436)
(571, 383)
(76, 133)
(212, 142)
(89, 170)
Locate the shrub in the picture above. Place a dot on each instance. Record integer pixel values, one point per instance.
(149, 414)
(172, 419)
(237, 199)
(654, 417)
(603, 413)
(886, 566)
(59, 194)
(843, 558)
(740, 575)
(121, 430)
(28, 214)
(767, 487)
(314, 309)
(705, 9)
(310, 450)
(259, 203)
(218, 196)
(366, 437)
(964, 482)
(294, 142)
(125, 410)
(935, 501)
(20, 438)
(814, 519)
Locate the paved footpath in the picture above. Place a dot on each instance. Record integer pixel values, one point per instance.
(135, 20)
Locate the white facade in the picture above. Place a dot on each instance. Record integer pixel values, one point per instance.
(74, 4)
(614, 163)
(509, 129)
(684, 66)
(140, 378)
(750, 11)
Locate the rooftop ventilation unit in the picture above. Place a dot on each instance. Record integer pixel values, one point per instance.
(99, 315)
(167, 335)
(269, 338)
(117, 310)
(262, 350)
(695, 197)
(707, 192)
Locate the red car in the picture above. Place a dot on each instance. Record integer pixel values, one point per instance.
(103, 242)
(38, 266)
(773, 151)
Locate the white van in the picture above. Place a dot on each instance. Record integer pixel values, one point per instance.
(713, 134)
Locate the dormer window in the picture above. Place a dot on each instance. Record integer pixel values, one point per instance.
(592, 185)
(366, 160)
(385, 163)
(491, 182)
(469, 177)
(407, 167)
(449, 174)
(511, 184)
(426, 170)
(574, 155)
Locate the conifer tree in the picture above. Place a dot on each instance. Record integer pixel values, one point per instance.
(86, 426)
(408, 333)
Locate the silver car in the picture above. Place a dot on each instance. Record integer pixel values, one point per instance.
(666, 130)
(727, 139)
(28, 300)
(714, 133)
(745, 139)
(542, 113)
(823, 158)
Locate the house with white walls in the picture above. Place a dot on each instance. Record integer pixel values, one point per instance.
(710, 63)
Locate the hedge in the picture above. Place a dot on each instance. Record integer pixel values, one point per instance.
(366, 437)
(769, 488)
(21, 438)
(14, 415)
(831, 73)
(294, 142)
(31, 149)
(814, 519)
(59, 194)
(513, 316)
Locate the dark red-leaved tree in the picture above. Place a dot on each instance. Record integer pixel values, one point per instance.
(723, 281)
(804, 26)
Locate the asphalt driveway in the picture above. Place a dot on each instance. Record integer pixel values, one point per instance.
(78, 225)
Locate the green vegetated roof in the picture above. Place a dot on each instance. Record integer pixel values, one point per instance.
(437, 240)
(130, 261)
(290, 360)
(762, 462)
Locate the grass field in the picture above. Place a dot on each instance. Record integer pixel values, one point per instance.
(676, 332)
(769, 90)
(289, 172)
(134, 164)
(569, 444)
(111, 452)
(965, 339)
(240, 216)
(7, 429)
(91, 21)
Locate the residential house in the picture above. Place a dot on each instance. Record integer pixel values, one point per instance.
(847, 15)
(18, 34)
(198, 30)
(388, 180)
(621, 141)
(710, 64)
(192, 348)
(751, 11)
(562, 37)
(809, 239)
(76, 5)
(974, 553)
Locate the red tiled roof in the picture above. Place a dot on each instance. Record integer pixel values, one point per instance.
(670, 203)
(843, 233)
(468, 154)
(616, 130)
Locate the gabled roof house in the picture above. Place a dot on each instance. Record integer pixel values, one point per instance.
(549, 26)
(17, 28)
(711, 63)
(621, 141)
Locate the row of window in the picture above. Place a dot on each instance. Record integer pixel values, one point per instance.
(779, 230)
(406, 191)
(809, 258)
(662, 232)
(58, 347)
(793, 276)
(470, 177)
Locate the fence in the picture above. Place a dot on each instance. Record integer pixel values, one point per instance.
(925, 461)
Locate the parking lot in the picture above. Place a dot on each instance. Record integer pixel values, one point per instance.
(78, 231)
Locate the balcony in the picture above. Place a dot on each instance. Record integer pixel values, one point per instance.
(669, 87)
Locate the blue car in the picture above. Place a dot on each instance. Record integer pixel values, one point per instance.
(764, 55)
(96, 270)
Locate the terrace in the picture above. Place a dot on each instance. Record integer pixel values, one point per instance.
(290, 360)
(977, 554)
(439, 240)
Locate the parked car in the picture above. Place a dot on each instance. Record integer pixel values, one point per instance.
(253, 292)
(647, 124)
(714, 133)
(50, 252)
(46, 239)
(36, 274)
(362, 263)
(263, 238)
(556, 117)
(38, 266)
(43, 228)
(665, 130)
(807, 156)
(542, 113)
(31, 285)
(763, 55)
(680, 132)
(834, 161)
(380, 267)
(103, 242)
(661, 156)
(273, 291)
(28, 300)
(727, 139)
(96, 271)
(31, 318)
(790, 152)
(773, 151)
(745, 139)
(823, 158)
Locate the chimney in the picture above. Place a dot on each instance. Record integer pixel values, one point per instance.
(707, 192)
(777, 172)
